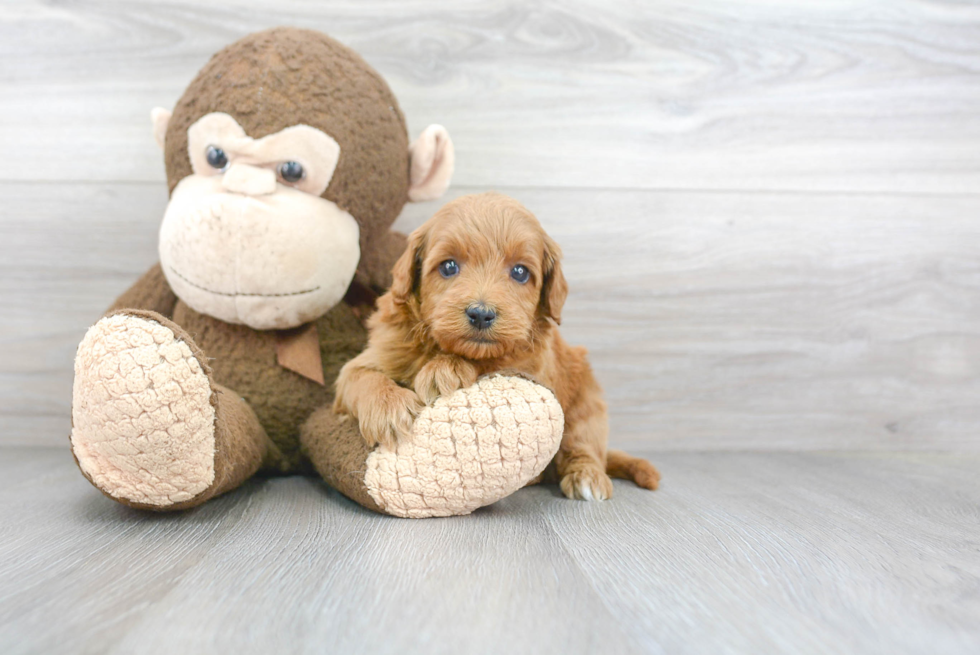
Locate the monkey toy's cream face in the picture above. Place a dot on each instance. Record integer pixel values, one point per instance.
(247, 238)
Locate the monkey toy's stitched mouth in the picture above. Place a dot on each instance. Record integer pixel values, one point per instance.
(237, 295)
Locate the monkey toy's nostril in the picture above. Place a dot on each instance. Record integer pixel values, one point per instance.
(481, 316)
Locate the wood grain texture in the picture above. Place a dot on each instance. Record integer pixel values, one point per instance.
(768, 212)
(738, 553)
(861, 96)
(769, 215)
(713, 319)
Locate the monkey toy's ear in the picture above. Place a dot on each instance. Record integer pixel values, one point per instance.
(160, 118)
(432, 160)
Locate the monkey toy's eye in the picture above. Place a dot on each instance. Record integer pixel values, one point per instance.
(291, 171)
(448, 268)
(519, 273)
(217, 158)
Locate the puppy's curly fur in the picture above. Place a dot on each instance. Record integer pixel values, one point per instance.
(460, 307)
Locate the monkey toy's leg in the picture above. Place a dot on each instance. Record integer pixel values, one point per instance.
(469, 449)
(150, 428)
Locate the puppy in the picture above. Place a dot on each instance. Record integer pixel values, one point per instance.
(480, 289)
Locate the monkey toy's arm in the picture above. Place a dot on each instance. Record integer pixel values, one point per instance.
(378, 260)
(150, 292)
(373, 275)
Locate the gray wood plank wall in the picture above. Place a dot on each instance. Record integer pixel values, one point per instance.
(769, 210)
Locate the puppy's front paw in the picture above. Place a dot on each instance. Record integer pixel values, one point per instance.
(587, 484)
(442, 376)
(388, 418)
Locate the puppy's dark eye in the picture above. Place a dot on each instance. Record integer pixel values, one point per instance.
(448, 268)
(519, 273)
(291, 171)
(216, 157)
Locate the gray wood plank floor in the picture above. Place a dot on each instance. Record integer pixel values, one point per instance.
(737, 553)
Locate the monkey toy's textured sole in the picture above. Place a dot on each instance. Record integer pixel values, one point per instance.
(143, 414)
(145, 432)
(468, 450)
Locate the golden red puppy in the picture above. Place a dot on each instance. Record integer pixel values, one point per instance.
(480, 289)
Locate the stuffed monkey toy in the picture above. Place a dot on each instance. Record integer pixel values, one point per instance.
(288, 160)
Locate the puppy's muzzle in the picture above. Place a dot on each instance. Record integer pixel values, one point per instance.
(481, 317)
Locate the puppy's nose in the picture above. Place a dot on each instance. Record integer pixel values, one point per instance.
(481, 317)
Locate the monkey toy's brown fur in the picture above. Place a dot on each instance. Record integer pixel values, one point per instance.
(294, 69)
(311, 79)
(173, 405)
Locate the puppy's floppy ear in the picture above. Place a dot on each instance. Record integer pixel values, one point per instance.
(554, 288)
(407, 271)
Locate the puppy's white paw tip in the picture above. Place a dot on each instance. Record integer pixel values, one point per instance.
(585, 492)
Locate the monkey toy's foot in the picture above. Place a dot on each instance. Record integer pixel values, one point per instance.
(143, 412)
(469, 449)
